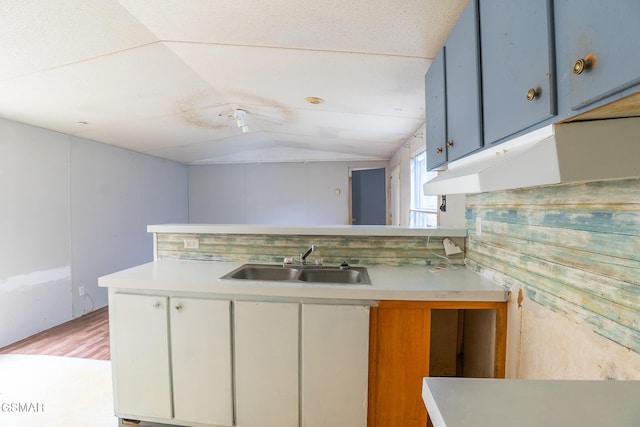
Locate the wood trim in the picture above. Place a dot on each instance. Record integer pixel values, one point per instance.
(442, 304)
(404, 327)
(373, 365)
(500, 357)
(399, 359)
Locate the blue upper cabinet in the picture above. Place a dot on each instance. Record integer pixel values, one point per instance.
(464, 105)
(436, 112)
(452, 94)
(518, 72)
(512, 66)
(598, 53)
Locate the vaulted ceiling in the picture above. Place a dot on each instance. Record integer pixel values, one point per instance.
(179, 78)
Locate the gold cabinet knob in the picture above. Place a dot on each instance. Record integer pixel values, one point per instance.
(583, 64)
(156, 305)
(439, 150)
(179, 307)
(449, 144)
(532, 94)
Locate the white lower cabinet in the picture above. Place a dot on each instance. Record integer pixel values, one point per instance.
(171, 359)
(179, 361)
(334, 354)
(139, 356)
(201, 360)
(266, 362)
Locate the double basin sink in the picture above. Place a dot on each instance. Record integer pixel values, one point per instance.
(301, 274)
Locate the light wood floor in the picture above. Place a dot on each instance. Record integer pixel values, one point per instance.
(86, 337)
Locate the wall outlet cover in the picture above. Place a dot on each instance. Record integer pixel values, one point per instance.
(191, 243)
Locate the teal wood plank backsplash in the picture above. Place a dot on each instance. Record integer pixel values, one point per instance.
(363, 250)
(573, 248)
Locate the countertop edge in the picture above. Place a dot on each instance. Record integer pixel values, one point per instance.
(344, 230)
(459, 401)
(417, 284)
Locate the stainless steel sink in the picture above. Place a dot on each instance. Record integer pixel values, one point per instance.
(301, 274)
(352, 276)
(263, 272)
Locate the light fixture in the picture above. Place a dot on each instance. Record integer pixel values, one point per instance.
(238, 115)
(314, 100)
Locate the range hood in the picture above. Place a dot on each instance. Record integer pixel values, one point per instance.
(559, 153)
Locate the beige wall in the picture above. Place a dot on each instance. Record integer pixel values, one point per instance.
(544, 344)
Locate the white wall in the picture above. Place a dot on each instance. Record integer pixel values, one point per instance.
(115, 194)
(73, 210)
(454, 216)
(402, 157)
(35, 259)
(272, 193)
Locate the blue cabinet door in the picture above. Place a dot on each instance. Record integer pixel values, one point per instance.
(452, 94)
(518, 73)
(464, 105)
(598, 51)
(436, 112)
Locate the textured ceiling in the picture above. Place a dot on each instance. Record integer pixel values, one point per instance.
(162, 77)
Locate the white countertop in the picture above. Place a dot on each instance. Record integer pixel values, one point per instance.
(304, 230)
(457, 402)
(387, 283)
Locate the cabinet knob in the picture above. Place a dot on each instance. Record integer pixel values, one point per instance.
(439, 150)
(179, 307)
(583, 64)
(532, 94)
(449, 144)
(157, 305)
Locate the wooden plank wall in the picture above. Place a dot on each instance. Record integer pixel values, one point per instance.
(573, 248)
(363, 250)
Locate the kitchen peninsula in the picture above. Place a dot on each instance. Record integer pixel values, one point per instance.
(191, 348)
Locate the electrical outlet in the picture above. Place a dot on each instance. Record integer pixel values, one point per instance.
(478, 226)
(81, 291)
(191, 243)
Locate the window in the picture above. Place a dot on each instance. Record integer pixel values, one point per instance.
(424, 209)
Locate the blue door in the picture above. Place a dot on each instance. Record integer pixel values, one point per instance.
(368, 197)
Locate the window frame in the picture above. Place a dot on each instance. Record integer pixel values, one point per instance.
(421, 216)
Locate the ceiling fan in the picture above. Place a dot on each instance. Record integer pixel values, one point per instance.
(244, 116)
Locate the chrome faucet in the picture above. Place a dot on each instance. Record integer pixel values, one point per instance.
(303, 257)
